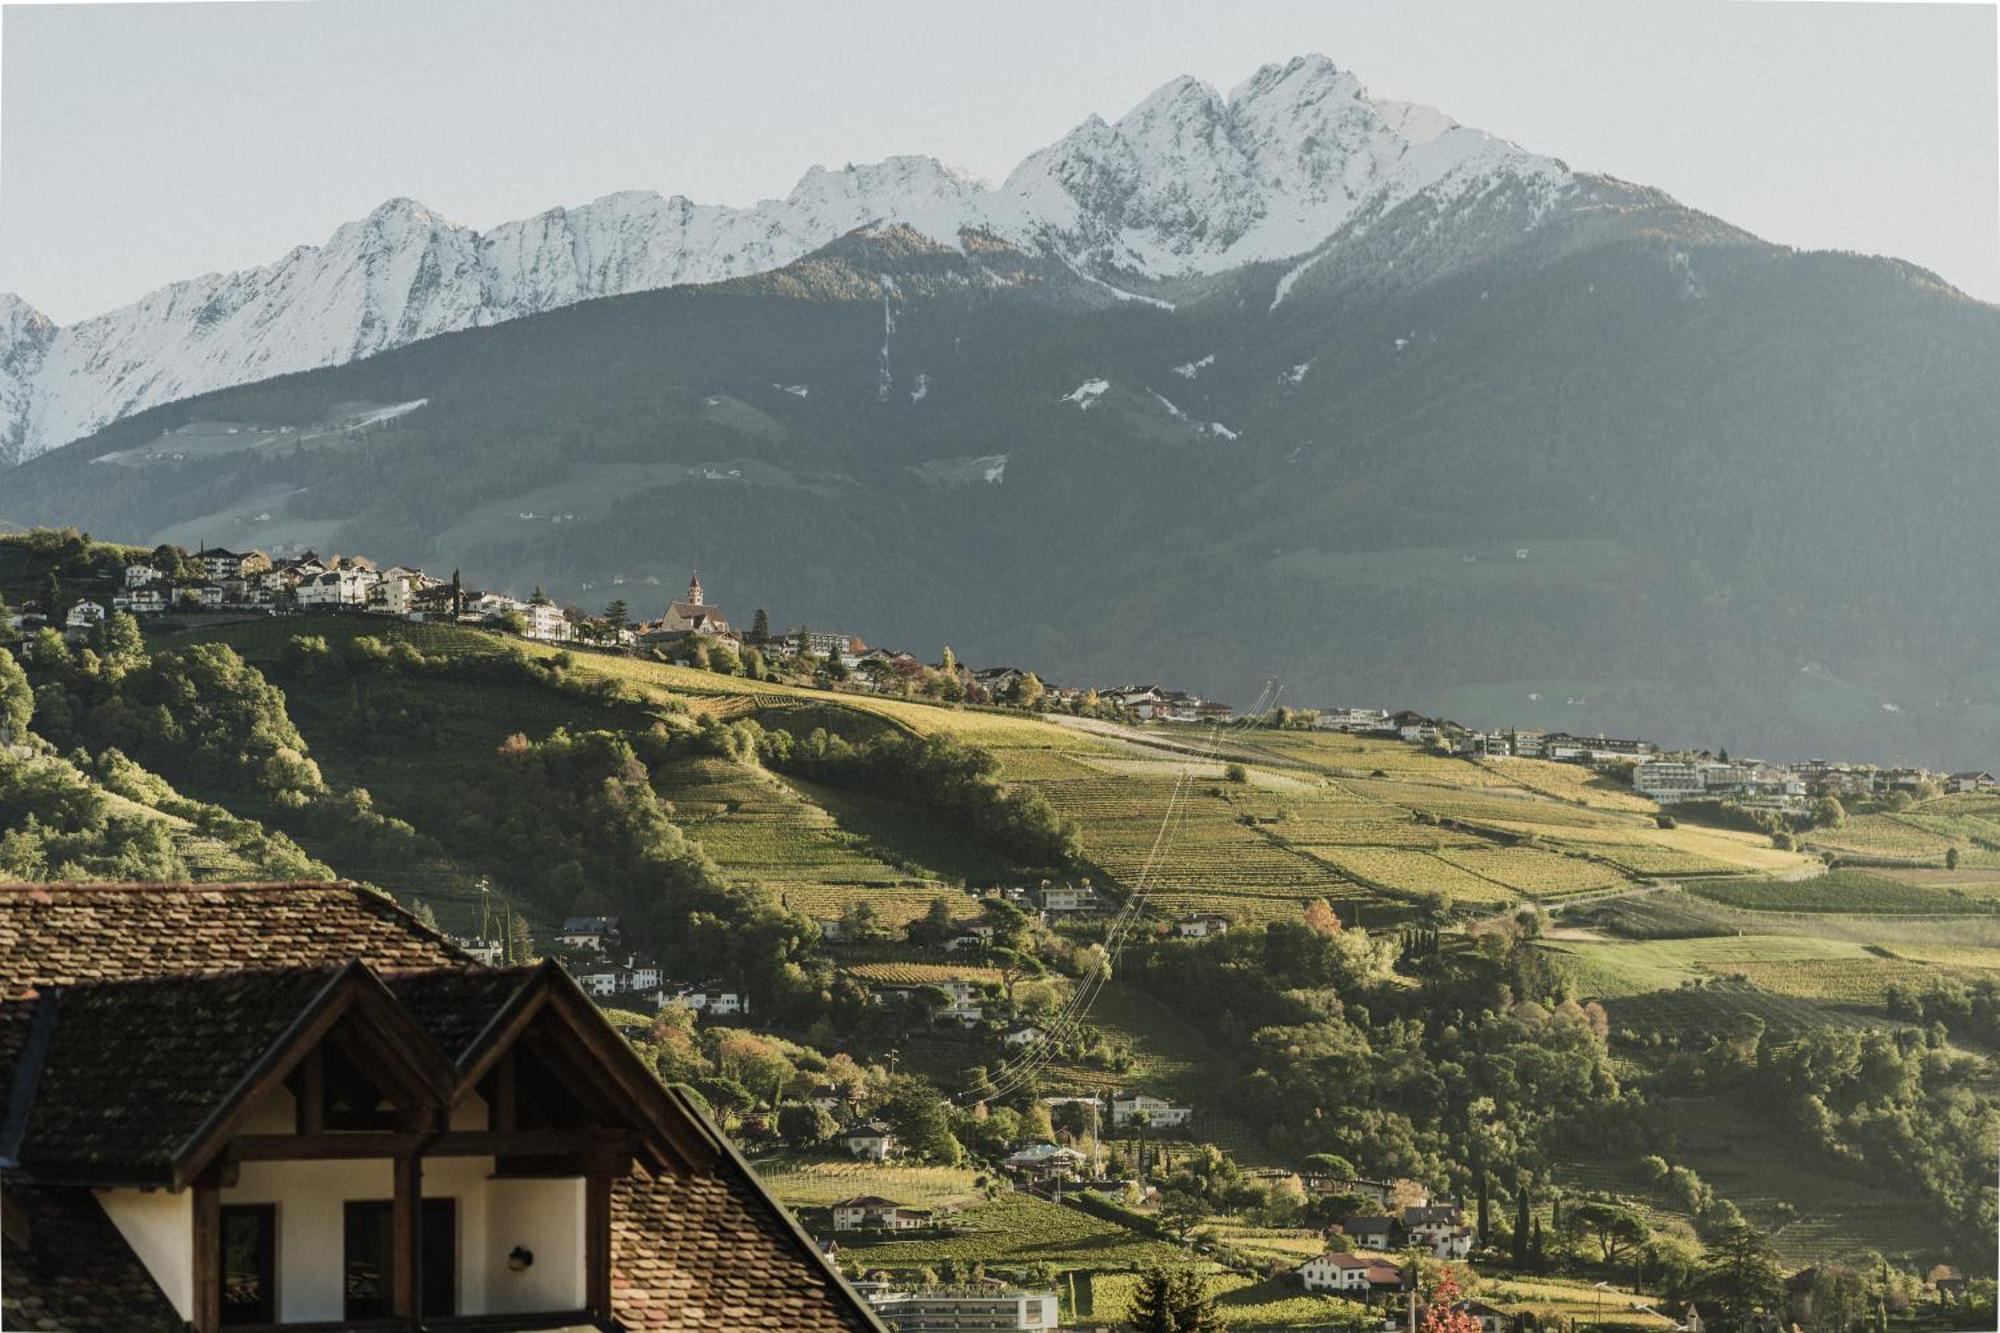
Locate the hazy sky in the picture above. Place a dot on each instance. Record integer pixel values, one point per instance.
(144, 143)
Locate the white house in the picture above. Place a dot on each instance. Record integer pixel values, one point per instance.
(1026, 1035)
(83, 618)
(140, 576)
(335, 587)
(1335, 1270)
(713, 999)
(588, 932)
(1067, 898)
(1201, 925)
(1127, 1107)
(871, 1212)
(867, 1139)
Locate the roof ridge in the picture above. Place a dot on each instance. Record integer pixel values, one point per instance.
(157, 886)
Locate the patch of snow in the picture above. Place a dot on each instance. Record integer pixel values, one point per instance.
(1217, 428)
(921, 390)
(1187, 370)
(1172, 411)
(795, 390)
(1292, 275)
(1297, 374)
(1186, 184)
(994, 469)
(1086, 394)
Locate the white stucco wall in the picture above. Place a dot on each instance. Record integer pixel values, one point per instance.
(160, 1229)
(545, 1216)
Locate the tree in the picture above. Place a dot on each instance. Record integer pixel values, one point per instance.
(1234, 772)
(1951, 858)
(1742, 1273)
(1614, 1227)
(616, 615)
(1181, 1211)
(457, 595)
(760, 627)
(1522, 1223)
(1173, 1300)
(1321, 918)
(1441, 1315)
(918, 1116)
(1027, 691)
(17, 700)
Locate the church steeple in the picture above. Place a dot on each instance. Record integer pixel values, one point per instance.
(694, 589)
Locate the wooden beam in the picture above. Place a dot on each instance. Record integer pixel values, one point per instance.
(503, 1114)
(597, 1245)
(207, 1245)
(406, 1246)
(312, 1092)
(460, 1143)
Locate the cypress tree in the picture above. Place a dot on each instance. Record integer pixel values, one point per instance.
(1521, 1225)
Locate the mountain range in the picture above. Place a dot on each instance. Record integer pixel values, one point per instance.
(1291, 383)
(1187, 183)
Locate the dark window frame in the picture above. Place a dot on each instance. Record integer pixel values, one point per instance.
(440, 1256)
(265, 1311)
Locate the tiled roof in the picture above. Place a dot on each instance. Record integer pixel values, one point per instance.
(704, 1252)
(57, 934)
(75, 1273)
(144, 1005)
(134, 1068)
(454, 1005)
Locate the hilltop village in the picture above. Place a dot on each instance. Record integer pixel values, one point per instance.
(1048, 1006)
(168, 584)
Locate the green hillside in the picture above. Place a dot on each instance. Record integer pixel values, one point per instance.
(1478, 975)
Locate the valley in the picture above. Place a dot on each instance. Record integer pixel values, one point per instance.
(478, 778)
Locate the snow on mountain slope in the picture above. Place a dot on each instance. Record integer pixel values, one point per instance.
(1187, 183)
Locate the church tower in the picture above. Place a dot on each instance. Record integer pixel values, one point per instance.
(694, 589)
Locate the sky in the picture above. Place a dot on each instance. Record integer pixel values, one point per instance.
(144, 143)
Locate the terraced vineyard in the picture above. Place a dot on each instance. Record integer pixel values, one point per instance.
(1891, 838)
(756, 827)
(1842, 891)
(924, 974)
(816, 1182)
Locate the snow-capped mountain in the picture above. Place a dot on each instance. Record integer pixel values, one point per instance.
(1187, 183)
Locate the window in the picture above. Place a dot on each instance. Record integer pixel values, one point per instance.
(366, 1276)
(249, 1265)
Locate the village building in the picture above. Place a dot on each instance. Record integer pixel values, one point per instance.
(1026, 1035)
(711, 999)
(1490, 1319)
(1336, 1270)
(1372, 1232)
(588, 932)
(293, 1104)
(1201, 925)
(1128, 1107)
(871, 1212)
(988, 1305)
(869, 1140)
(1044, 1161)
(694, 615)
